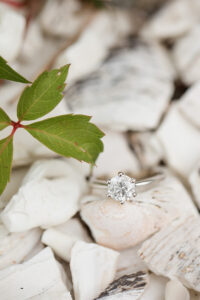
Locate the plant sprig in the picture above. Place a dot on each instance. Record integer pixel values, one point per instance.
(68, 135)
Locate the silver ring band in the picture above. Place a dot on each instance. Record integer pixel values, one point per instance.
(122, 187)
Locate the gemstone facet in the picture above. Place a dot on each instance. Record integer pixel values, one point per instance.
(121, 188)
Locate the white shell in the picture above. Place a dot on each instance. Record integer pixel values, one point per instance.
(194, 180)
(62, 238)
(122, 226)
(177, 130)
(14, 247)
(175, 290)
(172, 21)
(93, 268)
(88, 52)
(137, 85)
(174, 252)
(48, 196)
(127, 287)
(12, 28)
(188, 65)
(36, 279)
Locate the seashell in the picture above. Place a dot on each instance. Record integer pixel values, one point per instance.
(194, 180)
(35, 279)
(68, 20)
(174, 252)
(62, 237)
(129, 262)
(137, 85)
(14, 247)
(93, 268)
(155, 290)
(175, 290)
(122, 226)
(49, 196)
(189, 104)
(11, 37)
(177, 130)
(88, 52)
(107, 164)
(127, 287)
(173, 20)
(189, 63)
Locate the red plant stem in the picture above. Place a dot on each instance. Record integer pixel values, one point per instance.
(15, 125)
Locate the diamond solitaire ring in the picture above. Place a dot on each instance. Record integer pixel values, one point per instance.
(123, 188)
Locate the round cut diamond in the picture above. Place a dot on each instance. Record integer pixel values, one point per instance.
(121, 188)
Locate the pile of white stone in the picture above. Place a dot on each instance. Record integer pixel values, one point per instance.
(58, 239)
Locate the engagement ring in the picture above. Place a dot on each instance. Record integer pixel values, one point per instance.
(123, 188)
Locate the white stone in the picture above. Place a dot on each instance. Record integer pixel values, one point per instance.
(173, 252)
(189, 104)
(49, 196)
(88, 52)
(194, 180)
(122, 226)
(137, 85)
(127, 287)
(177, 132)
(93, 268)
(36, 279)
(188, 65)
(107, 164)
(172, 21)
(14, 247)
(63, 237)
(66, 22)
(156, 288)
(12, 28)
(130, 262)
(175, 290)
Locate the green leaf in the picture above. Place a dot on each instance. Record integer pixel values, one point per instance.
(4, 119)
(8, 73)
(43, 95)
(69, 135)
(6, 155)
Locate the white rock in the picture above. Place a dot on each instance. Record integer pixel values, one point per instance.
(86, 55)
(194, 180)
(174, 252)
(173, 20)
(107, 164)
(62, 238)
(189, 104)
(127, 287)
(48, 196)
(147, 149)
(176, 291)
(12, 28)
(137, 85)
(93, 268)
(129, 262)
(155, 289)
(177, 131)
(66, 22)
(35, 279)
(122, 226)
(14, 247)
(188, 64)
